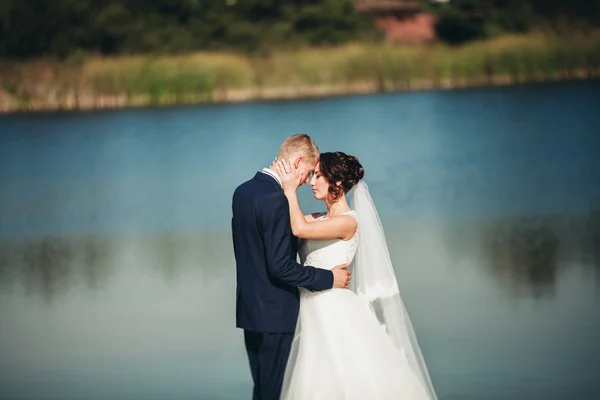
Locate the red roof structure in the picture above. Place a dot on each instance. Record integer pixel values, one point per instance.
(402, 21)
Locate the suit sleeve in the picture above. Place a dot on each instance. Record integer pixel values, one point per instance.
(277, 231)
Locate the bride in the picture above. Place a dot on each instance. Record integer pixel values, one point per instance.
(358, 343)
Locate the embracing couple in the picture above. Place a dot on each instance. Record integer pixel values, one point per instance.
(320, 330)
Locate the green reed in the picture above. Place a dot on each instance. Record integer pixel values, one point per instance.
(202, 77)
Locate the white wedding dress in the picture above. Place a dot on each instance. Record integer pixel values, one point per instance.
(341, 351)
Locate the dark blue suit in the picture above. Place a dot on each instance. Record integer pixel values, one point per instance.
(267, 298)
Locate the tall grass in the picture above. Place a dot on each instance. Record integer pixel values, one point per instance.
(198, 77)
(174, 79)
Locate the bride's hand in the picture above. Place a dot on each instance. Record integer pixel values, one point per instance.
(290, 176)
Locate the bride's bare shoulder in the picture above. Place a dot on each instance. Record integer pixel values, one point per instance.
(313, 216)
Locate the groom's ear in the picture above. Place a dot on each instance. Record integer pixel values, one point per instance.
(297, 162)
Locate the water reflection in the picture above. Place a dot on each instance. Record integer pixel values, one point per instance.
(50, 266)
(528, 254)
(150, 314)
(525, 255)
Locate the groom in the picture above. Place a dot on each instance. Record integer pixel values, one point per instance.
(267, 298)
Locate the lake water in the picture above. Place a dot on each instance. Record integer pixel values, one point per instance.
(117, 274)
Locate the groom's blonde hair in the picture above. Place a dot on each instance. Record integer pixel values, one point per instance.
(300, 144)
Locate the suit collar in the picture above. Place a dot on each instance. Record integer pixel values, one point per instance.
(273, 174)
(261, 176)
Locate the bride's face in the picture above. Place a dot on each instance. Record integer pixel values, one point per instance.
(320, 186)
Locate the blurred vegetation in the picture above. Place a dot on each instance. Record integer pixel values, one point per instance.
(34, 28)
(119, 81)
(465, 20)
(114, 53)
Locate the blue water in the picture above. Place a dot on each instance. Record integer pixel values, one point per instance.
(116, 265)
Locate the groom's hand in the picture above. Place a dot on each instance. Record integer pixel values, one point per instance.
(341, 276)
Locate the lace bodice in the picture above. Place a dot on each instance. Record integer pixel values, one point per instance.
(328, 253)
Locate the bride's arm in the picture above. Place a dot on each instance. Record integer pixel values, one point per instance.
(340, 227)
(311, 217)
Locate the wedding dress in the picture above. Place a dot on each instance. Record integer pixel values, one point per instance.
(342, 350)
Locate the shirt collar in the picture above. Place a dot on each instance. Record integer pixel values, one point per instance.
(269, 171)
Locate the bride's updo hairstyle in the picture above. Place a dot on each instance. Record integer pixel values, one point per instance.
(342, 172)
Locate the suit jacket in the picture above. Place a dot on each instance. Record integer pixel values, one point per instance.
(268, 276)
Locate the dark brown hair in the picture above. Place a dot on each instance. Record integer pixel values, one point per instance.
(341, 170)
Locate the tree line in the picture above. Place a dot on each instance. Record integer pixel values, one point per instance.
(61, 28)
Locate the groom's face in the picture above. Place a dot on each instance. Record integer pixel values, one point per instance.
(308, 168)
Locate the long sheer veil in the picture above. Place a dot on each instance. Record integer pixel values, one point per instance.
(374, 280)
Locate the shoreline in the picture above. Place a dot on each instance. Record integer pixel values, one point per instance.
(90, 82)
(90, 102)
